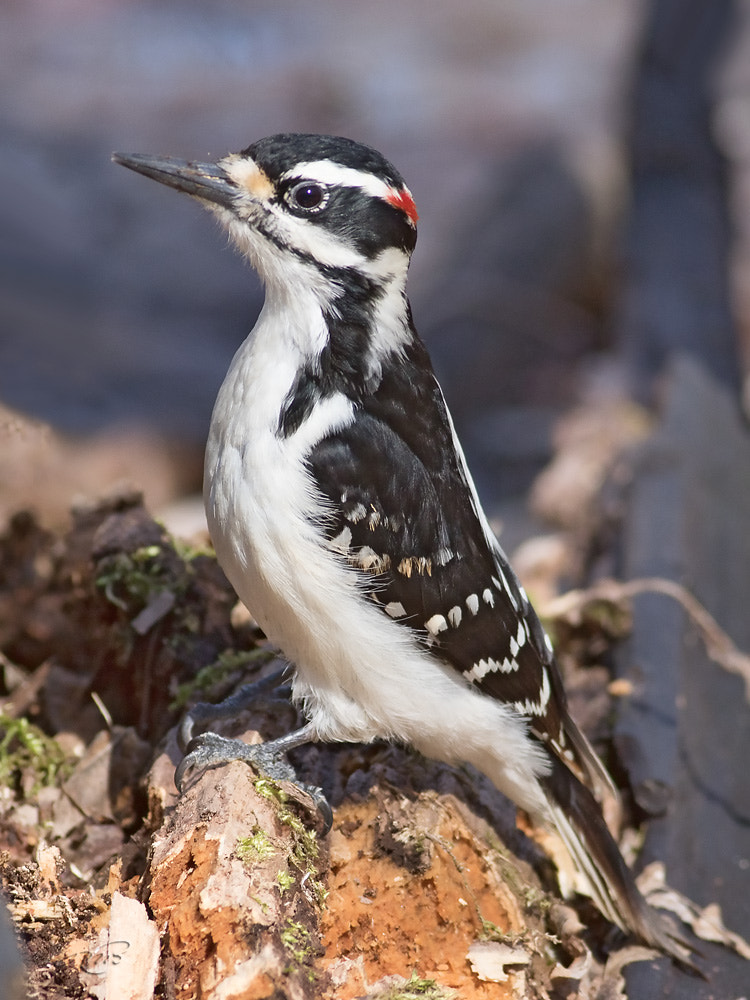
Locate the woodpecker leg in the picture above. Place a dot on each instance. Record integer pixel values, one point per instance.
(243, 698)
(210, 750)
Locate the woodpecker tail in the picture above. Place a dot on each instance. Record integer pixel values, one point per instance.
(577, 818)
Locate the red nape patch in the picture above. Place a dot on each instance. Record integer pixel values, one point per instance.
(401, 198)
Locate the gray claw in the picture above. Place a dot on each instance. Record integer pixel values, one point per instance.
(210, 750)
(322, 805)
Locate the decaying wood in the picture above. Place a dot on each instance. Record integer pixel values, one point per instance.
(234, 887)
(251, 903)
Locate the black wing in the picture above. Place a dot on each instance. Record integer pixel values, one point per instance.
(403, 511)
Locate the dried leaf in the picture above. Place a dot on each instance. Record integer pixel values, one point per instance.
(489, 958)
(707, 922)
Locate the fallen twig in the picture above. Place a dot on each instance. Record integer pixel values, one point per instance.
(719, 646)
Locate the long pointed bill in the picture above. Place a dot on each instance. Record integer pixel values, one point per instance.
(206, 181)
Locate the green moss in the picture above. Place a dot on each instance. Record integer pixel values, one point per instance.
(532, 897)
(258, 846)
(491, 932)
(214, 673)
(305, 848)
(319, 891)
(419, 989)
(25, 749)
(130, 579)
(536, 899)
(188, 552)
(284, 881)
(300, 947)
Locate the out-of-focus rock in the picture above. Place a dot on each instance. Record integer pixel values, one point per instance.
(45, 470)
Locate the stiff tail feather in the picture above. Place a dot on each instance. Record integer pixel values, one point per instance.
(577, 818)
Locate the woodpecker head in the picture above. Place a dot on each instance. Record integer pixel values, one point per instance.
(329, 226)
(325, 201)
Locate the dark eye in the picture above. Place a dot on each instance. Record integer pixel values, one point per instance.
(307, 195)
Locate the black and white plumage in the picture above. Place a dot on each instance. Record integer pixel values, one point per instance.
(343, 513)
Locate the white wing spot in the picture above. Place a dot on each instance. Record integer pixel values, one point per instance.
(527, 707)
(521, 634)
(546, 690)
(454, 616)
(513, 646)
(480, 670)
(395, 609)
(530, 707)
(484, 667)
(370, 561)
(366, 557)
(548, 643)
(436, 624)
(488, 597)
(443, 556)
(504, 586)
(356, 514)
(472, 603)
(342, 541)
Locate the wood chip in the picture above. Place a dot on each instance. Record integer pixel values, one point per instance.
(122, 961)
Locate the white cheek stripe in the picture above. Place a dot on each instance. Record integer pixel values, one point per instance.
(328, 172)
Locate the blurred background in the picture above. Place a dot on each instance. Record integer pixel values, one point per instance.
(121, 306)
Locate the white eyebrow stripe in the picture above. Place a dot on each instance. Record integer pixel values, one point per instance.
(328, 172)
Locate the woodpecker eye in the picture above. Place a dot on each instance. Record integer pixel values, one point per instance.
(308, 196)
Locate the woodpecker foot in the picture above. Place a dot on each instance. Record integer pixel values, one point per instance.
(211, 750)
(205, 712)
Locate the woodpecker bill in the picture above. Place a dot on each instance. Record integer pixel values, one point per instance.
(342, 511)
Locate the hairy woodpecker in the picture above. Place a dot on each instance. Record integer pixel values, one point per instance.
(343, 513)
